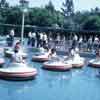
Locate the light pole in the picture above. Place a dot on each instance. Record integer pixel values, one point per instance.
(22, 28)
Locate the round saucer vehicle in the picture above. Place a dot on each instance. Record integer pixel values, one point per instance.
(94, 63)
(40, 57)
(2, 62)
(33, 49)
(18, 71)
(78, 63)
(8, 52)
(87, 54)
(57, 66)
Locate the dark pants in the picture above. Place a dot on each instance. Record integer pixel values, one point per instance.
(29, 41)
(89, 46)
(10, 43)
(44, 43)
(74, 44)
(41, 43)
(80, 45)
(38, 43)
(33, 42)
(96, 46)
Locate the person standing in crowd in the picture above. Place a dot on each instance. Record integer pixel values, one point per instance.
(71, 52)
(57, 42)
(50, 40)
(74, 42)
(7, 40)
(96, 42)
(89, 43)
(84, 46)
(29, 38)
(41, 39)
(80, 42)
(58, 39)
(45, 40)
(38, 39)
(33, 39)
(10, 38)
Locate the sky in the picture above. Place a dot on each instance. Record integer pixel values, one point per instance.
(79, 5)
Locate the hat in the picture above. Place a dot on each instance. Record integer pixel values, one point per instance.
(17, 42)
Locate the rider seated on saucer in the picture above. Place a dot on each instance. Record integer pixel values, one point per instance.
(47, 51)
(98, 53)
(52, 53)
(17, 57)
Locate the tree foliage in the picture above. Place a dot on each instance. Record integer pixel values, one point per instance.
(68, 8)
(48, 16)
(92, 23)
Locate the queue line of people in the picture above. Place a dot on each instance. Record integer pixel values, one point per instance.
(37, 39)
(41, 40)
(89, 44)
(34, 39)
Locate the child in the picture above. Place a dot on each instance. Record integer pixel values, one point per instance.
(53, 53)
(17, 57)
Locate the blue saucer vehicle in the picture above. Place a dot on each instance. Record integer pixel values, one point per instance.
(18, 71)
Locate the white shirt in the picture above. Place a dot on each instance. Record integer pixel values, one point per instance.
(75, 37)
(7, 36)
(12, 33)
(17, 57)
(29, 34)
(90, 40)
(33, 35)
(45, 37)
(96, 39)
(76, 57)
(72, 52)
(54, 55)
(41, 36)
(80, 40)
(58, 38)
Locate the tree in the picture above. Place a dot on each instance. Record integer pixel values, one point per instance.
(4, 10)
(92, 23)
(68, 8)
(4, 4)
(24, 3)
(68, 11)
(50, 6)
(41, 17)
(14, 16)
